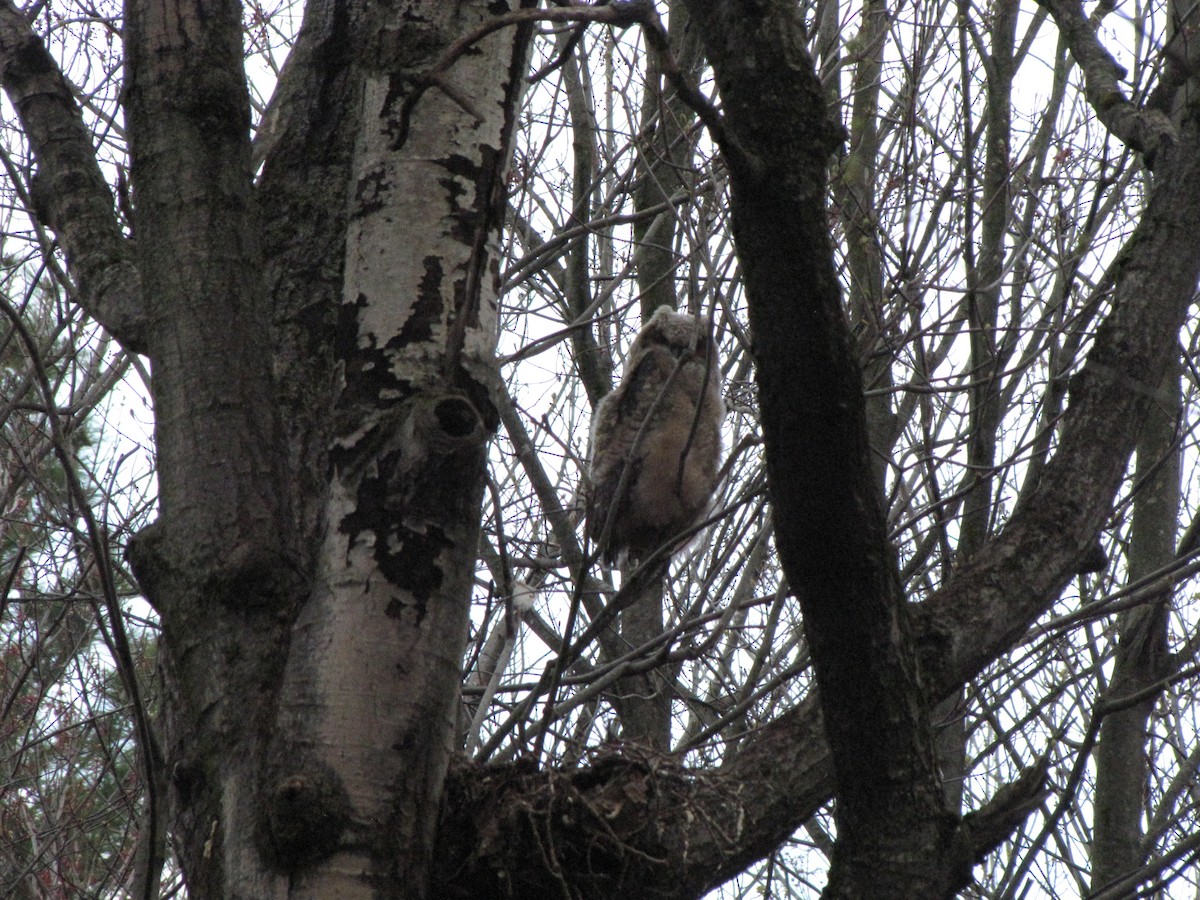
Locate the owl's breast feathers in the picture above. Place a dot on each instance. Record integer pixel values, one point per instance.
(659, 433)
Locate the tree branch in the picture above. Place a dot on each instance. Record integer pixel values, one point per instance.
(990, 826)
(785, 770)
(1147, 131)
(69, 192)
(617, 14)
(989, 604)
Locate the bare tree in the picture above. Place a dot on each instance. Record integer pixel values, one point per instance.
(936, 635)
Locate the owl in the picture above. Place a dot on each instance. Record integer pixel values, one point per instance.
(656, 440)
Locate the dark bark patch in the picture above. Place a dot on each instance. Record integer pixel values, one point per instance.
(254, 577)
(412, 496)
(304, 817)
(468, 220)
(428, 308)
(367, 369)
(414, 567)
(369, 378)
(403, 92)
(218, 105)
(42, 196)
(370, 193)
(345, 341)
(32, 59)
(444, 453)
(315, 323)
(407, 557)
(188, 779)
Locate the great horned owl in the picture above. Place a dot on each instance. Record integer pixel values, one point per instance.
(656, 439)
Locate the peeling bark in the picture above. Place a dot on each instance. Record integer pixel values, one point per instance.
(312, 562)
(369, 695)
(355, 677)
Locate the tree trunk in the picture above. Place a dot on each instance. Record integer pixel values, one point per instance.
(1142, 660)
(895, 836)
(985, 273)
(313, 644)
(322, 350)
(644, 700)
(221, 555)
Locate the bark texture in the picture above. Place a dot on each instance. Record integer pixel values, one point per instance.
(895, 835)
(322, 345)
(312, 638)
(786, 770)
(1143, 660)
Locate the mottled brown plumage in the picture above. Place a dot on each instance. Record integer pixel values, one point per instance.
(654, 460)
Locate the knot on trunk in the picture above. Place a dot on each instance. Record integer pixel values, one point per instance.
(305, 815)
(246, 576)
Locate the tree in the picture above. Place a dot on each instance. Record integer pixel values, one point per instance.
(960, 322)
(65, 740)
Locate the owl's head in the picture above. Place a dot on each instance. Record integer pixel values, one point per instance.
(678, 332)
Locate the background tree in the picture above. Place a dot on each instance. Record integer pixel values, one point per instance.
(70, 790)
(948, 254)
